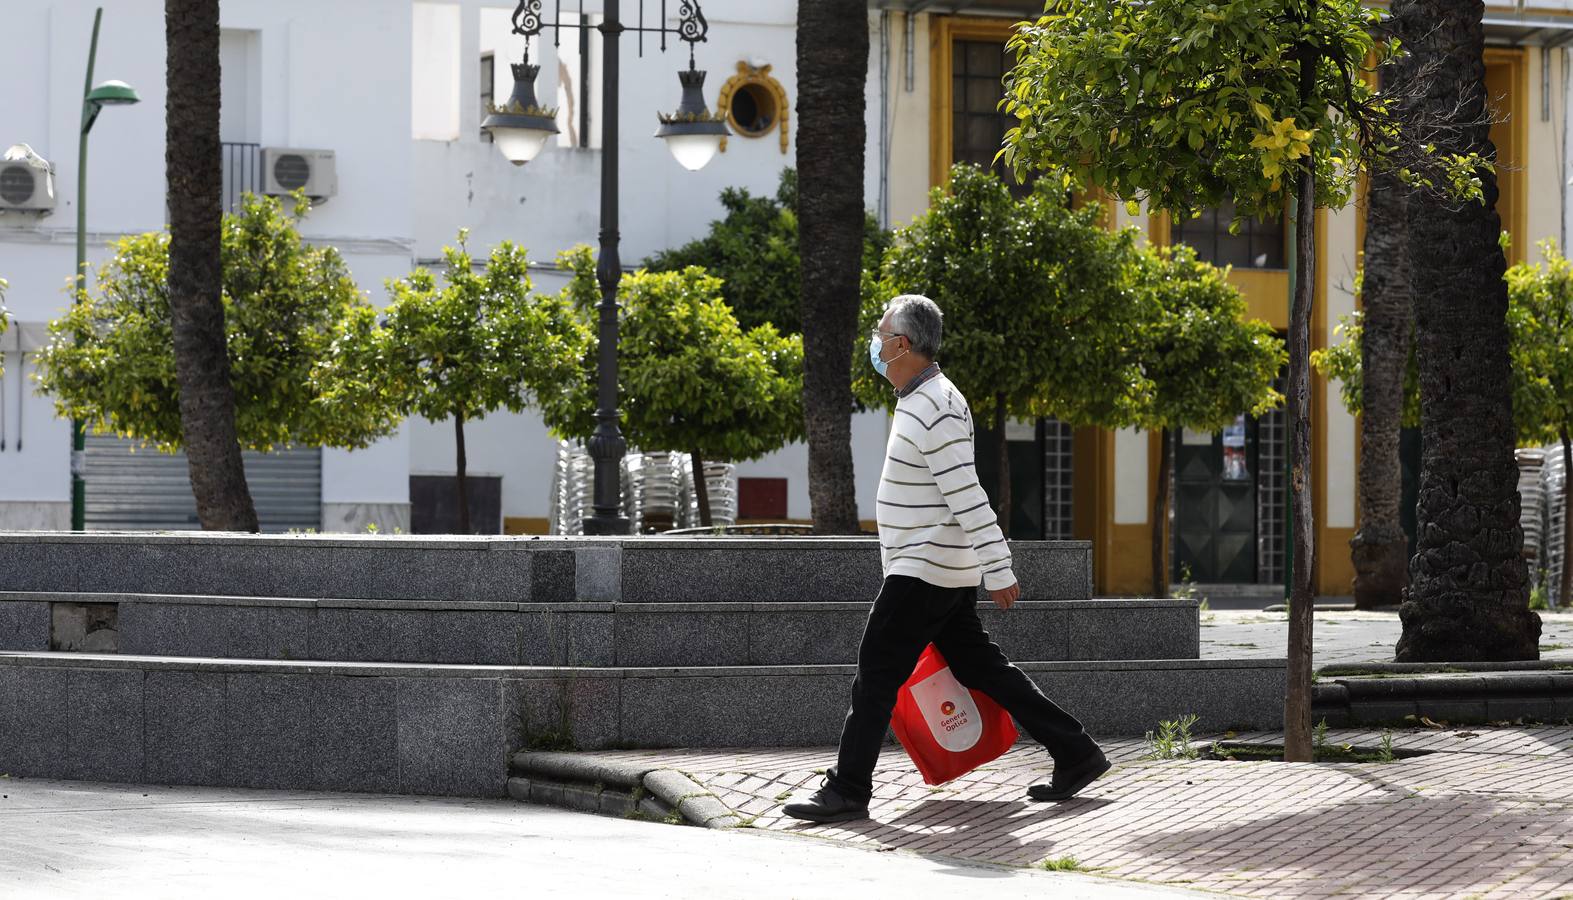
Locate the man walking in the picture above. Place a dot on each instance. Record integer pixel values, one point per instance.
(938, 538)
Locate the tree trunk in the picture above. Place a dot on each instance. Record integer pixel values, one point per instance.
(701, 489)
(464, 486)
(1003, 485)
(1566, 584)
(1160, 518)
(194, 175)
(1380, 548)
(832, 66)
(1297, 703)
(1468, 593)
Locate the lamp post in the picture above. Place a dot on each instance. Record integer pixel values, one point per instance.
(522, 127)
(110, 93)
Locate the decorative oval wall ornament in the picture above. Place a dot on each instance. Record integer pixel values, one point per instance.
(754, 103)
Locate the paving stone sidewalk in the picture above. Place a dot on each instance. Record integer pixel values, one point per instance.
(1341, 638)
(1487, 813)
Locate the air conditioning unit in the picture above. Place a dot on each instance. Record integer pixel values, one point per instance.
(27, 182)
(285, 170)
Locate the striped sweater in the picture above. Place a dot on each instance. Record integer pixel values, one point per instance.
(935, 522)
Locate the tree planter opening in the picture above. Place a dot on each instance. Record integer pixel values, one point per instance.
(1244, 751)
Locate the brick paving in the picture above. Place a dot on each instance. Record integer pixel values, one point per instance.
(1488, 813)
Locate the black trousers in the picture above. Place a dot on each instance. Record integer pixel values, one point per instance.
(908, 615)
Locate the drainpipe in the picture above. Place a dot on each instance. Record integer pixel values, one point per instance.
(884, 118)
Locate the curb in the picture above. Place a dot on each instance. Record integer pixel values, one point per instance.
(1421, 668)
(609, 787)
(1476, 696)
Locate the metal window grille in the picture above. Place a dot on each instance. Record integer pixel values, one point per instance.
(978, 125)
(242, 172)
(1058, 480)
(1271, 516)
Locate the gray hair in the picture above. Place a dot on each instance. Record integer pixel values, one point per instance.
(919, 319)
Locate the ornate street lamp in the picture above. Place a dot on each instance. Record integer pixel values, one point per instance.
(692, 134)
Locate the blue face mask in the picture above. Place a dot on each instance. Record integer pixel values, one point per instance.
(875, 345)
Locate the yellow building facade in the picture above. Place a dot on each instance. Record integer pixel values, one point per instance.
(1098, 485)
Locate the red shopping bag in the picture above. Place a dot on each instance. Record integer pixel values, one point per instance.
(947, 729)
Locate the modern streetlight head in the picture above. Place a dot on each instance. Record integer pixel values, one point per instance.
(110, 93)
(113, 93)
(521, 126)
(692, 133)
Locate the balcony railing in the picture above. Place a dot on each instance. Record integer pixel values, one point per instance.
(242, 172)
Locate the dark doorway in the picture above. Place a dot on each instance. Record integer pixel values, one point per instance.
(1215, 504)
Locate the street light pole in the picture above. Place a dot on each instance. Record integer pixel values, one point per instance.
(78, 430)
(606, 444)
(93, 99)
(521, 128)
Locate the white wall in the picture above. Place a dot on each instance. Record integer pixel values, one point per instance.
(318, 75)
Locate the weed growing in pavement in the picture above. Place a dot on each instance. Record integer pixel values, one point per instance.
(1385, 751)
(1319, 738)
(1173, 739)
(1063, 864)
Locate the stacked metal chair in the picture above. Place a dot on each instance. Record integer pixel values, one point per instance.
(652, 491)
(1552, 475)
(721, 483)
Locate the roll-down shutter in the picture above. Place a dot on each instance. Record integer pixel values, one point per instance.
(132, 487)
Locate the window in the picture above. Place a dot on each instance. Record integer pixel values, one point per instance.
(488, 90)
(978, 125)
(1258, 245)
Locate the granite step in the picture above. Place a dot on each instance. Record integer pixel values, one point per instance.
(490, 568)
(569, 634)
(425, 729)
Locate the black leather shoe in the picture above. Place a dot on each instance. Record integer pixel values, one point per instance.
(1069, 780)
(826, 805)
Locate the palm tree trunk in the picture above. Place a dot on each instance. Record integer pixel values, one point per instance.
(1160, 518)
(1380, 548)
(194, 175)
(832, 66)
(1297, 702)
(1468, 596)
(1002, 487)
(701, 489)
(462, 463)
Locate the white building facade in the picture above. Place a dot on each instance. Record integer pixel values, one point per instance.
(395, 90)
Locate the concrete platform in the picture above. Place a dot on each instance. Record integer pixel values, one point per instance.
(449, 729)
(575, 634)
(491, 568)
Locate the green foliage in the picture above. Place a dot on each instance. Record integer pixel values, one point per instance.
(473, 344)
(1062, 864)
(753, 250)
(1181, 103)
(1385, 752)
(1040, 304)
(288, 307)
(1540, 328)
(1319, 737)
(1540, 334)
(1207, 362)
(1173, 739)
(1343, 363)
(692, 380)
(1537, 598)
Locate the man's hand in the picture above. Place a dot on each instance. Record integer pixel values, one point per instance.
(1005, 598)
